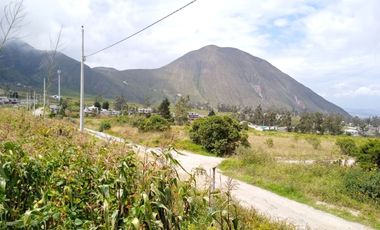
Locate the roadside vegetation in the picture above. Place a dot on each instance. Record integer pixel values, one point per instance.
(54, 177)
(291, 166)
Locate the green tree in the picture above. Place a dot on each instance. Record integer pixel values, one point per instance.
(97, 105)
(333, 123)
(369, 155)
(211, 113)
(286, 120)
(106, 105)
(164, 111)
(306, 123)
(120, 103)
(318, 123)
(219, 135)
(153, 123)
(64, 104)
(270, 118)
(258, 117)
(181, 110)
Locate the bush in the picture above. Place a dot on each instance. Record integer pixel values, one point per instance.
(347, 146)
(219, 135)
(104, 125)
(153, 123)
(314, 141)
(369, 154)
(269, 142)
(363, 184)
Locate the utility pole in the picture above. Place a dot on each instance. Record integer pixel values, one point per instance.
(43, 113)
(27, 100)
(34, 100)
(81, 84)
(59, 84)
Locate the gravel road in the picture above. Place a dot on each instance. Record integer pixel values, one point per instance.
(265, 202)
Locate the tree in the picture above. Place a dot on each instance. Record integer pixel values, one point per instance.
(318, 123)
(181, 109)
(258, 117)
(97, 105)
(306, 123)
(105, 105)
(163, 109)
(10, 20)
(270, 118)
(286, 120)
(219, 135)
(369, 155)
(120, 103)
(211, 113)
(63, 105)
(333, 124)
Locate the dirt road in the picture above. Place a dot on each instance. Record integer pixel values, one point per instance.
(265, 202)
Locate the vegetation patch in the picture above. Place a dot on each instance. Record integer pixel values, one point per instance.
(53, 177)
(349, 188)
(219, 135)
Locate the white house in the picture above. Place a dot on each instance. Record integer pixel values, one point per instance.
(353, 131)
(144, 110)
(91, 110)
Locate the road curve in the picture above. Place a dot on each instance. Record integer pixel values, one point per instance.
(250, 196)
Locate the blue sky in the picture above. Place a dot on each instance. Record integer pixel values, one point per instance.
(331, 46)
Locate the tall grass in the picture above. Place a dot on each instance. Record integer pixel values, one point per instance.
(52, 177)
(310, 184)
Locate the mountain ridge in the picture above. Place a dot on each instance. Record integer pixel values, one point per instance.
(210, 75)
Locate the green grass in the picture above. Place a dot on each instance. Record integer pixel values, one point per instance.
(304, 183)
(54, 177)
(192, 147)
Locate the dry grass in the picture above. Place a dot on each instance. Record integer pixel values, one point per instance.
(151, 139)
(293, 146)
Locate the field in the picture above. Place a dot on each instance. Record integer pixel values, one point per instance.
(177, 136)
(296, 167)
(53, 177)
(302, 167)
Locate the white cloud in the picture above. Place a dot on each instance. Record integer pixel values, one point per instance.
(281, 22)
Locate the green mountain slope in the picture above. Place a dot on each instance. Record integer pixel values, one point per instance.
(209, 75)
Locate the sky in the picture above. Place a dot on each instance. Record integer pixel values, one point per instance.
(330, 46)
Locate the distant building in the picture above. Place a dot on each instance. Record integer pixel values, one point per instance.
(353, 131)
(54, 109)
(192, 116)
(91, 110)
(263, 127)
(144, 110)
(55, 97)
(4, 100)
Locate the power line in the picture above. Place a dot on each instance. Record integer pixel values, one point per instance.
(147, 27)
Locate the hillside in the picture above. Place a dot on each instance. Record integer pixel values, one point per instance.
(209, 75)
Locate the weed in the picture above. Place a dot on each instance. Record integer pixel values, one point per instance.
(269, 142)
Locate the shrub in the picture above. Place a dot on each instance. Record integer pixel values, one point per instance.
(104, 125)
(369, 154)
(153, 123)
(219, 135)
(363, 184)
(347, 146)
(244, 125)
(314, 141)
(269, 142)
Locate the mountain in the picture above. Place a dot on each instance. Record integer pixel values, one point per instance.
(210, 75)
(21, 64)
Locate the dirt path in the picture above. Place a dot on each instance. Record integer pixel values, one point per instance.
(265, 202)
